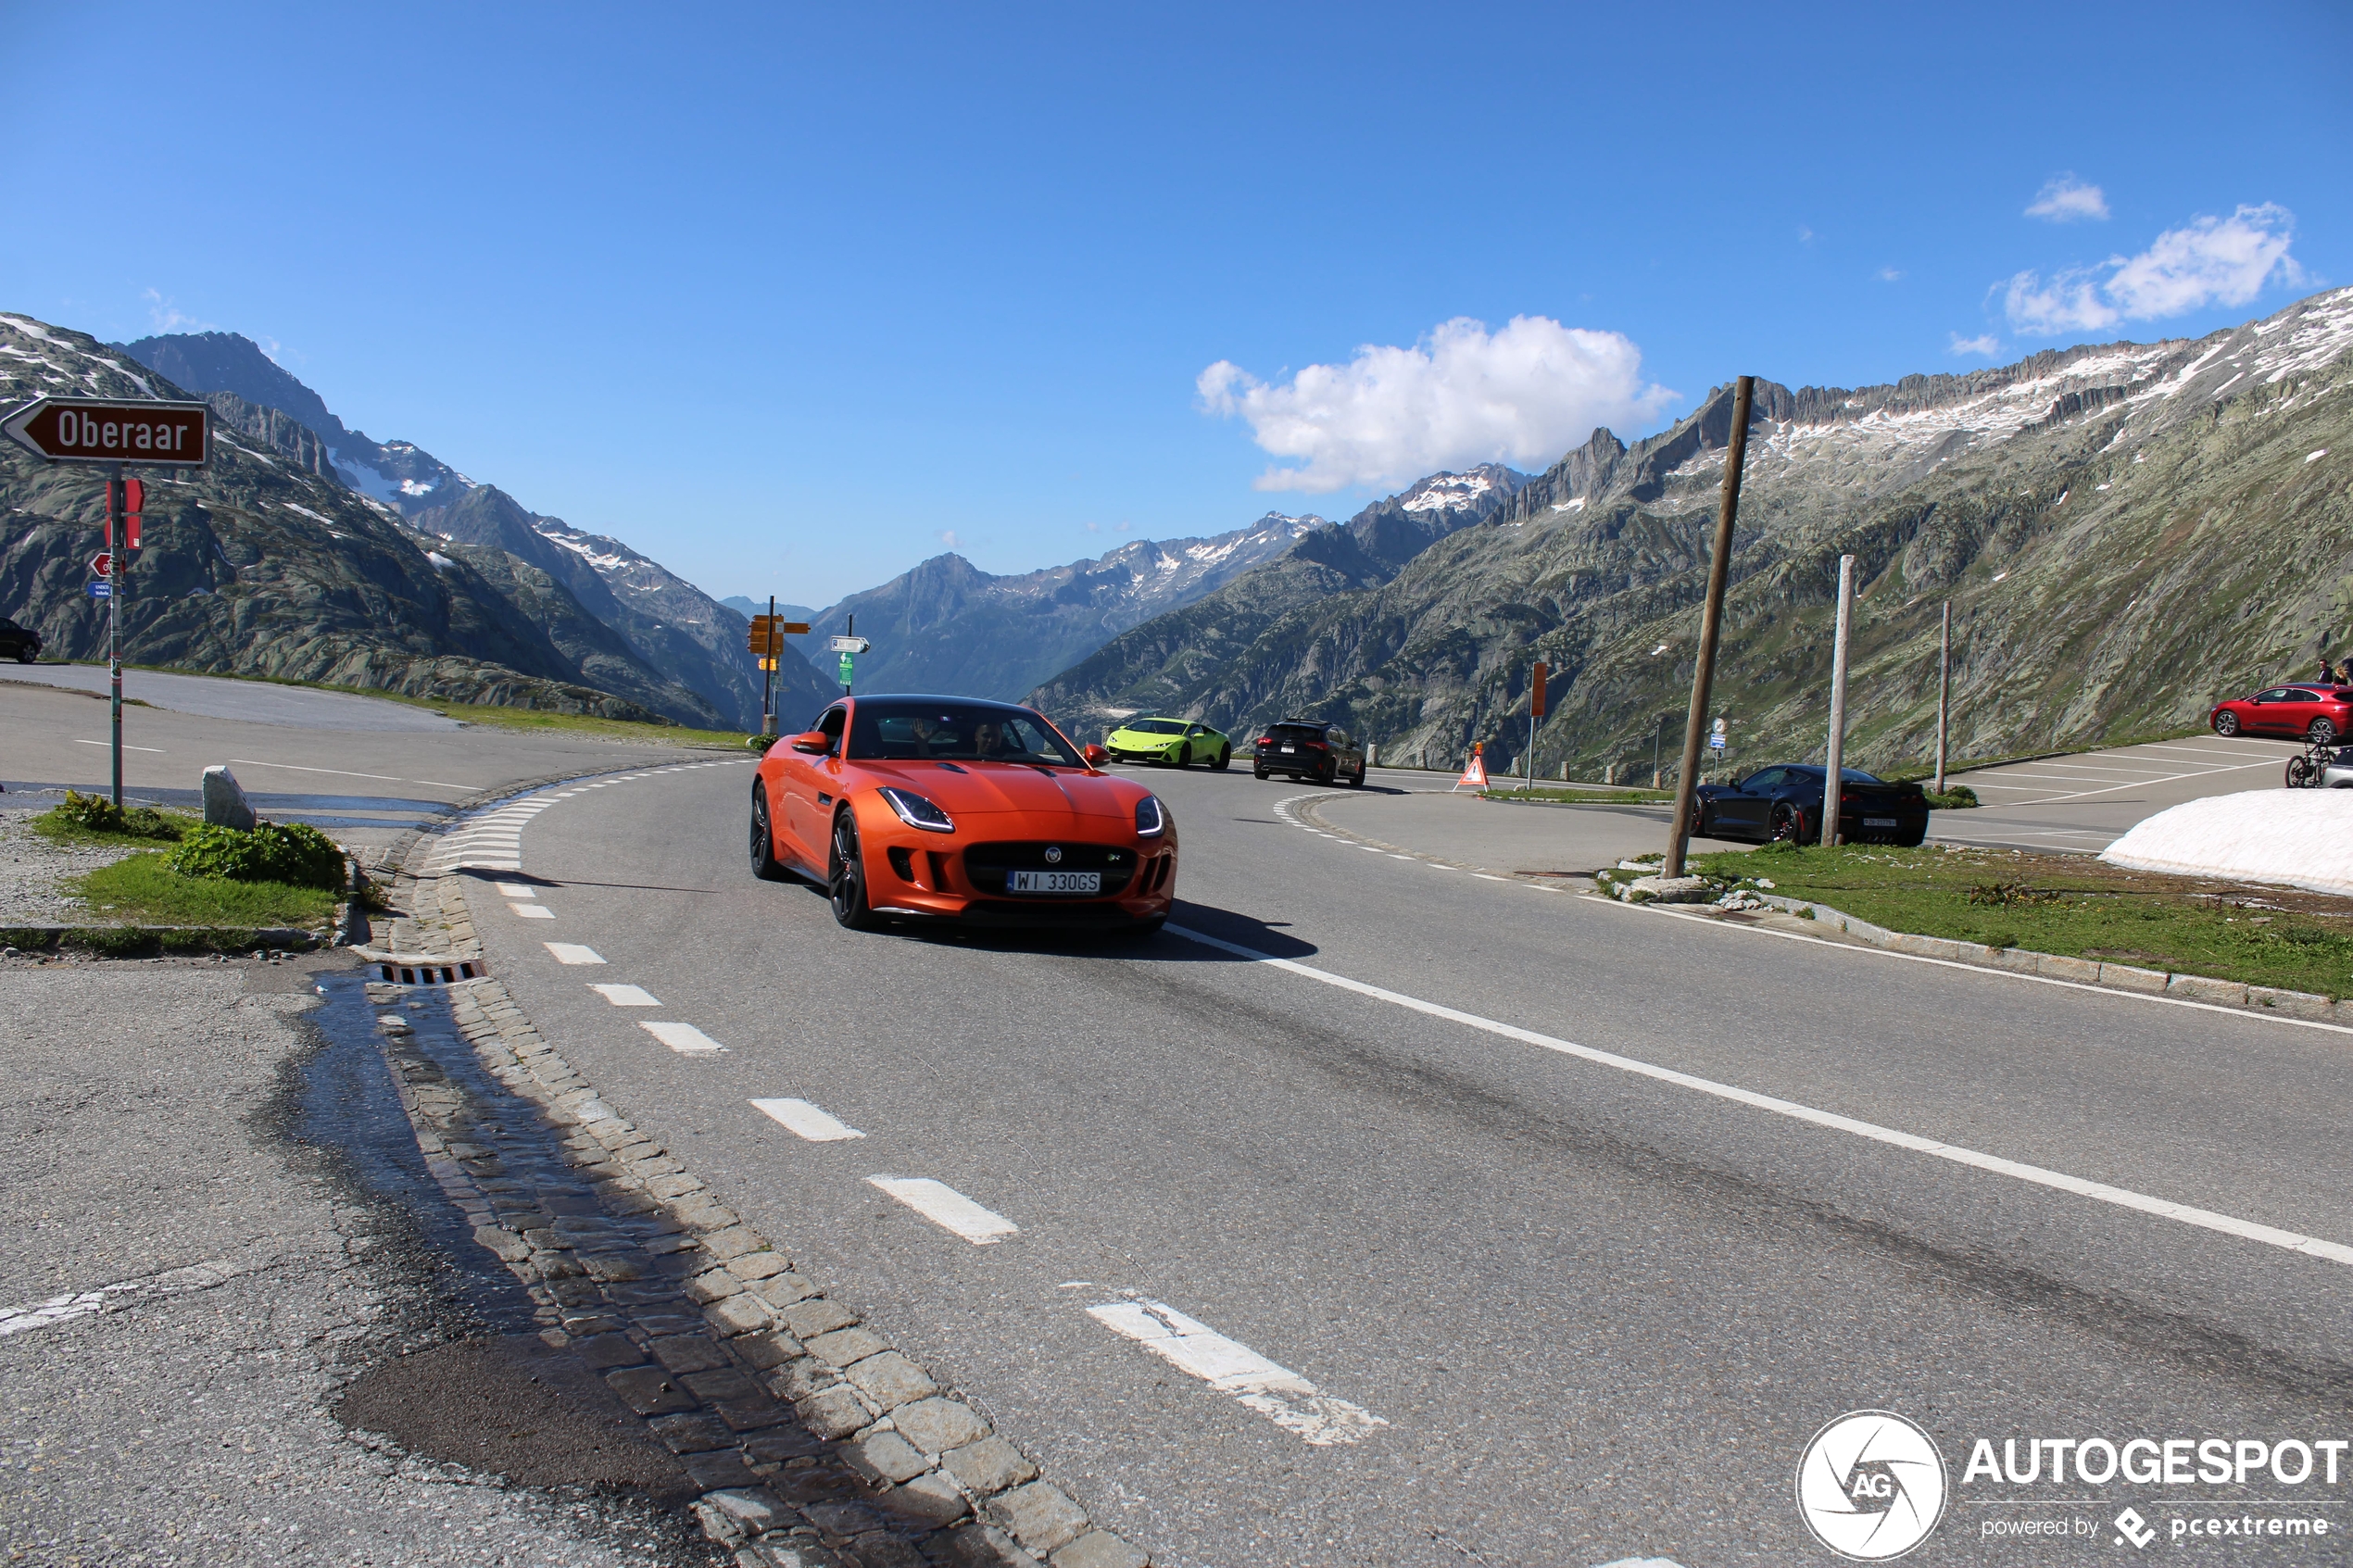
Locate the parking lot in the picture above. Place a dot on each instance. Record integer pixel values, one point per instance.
(2084, 801)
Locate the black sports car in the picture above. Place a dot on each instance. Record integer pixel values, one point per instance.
(19, 643)
(1786, 802)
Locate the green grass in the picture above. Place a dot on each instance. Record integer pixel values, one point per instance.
(139, 891)
(60, 825)
(2073, 906)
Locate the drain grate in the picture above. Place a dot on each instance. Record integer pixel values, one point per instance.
(430, 974)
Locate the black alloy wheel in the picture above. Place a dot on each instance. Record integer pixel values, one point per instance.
(1356, 780)
(1224, 759)
(845, 876)
(2321, 732)
(26, 654)
(1788, 825)
(2226, 724)
(764, 864)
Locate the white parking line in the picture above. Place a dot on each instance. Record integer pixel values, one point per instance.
(2122, 1197)
(1231, 1367)
(532, 911)
(572, 952)
(156, 749)
(626, 996)
(948, 1209)
(684, 1038)
(807, 1121)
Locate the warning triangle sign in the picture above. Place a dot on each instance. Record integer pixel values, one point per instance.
(1474, 776)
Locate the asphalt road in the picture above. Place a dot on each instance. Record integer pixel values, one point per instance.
(1540, 1304)
(258, 701)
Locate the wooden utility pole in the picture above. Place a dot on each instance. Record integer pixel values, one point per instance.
(1944, 691)
(1832, 775)
(1678, 831)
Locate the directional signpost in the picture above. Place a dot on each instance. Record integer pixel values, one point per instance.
(97, 429)
(767, 644)
(849, 648)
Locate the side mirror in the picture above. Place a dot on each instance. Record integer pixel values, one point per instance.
(1095, 755)
(816, 742)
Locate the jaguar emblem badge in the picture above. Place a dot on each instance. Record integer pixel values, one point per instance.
(1054, 854)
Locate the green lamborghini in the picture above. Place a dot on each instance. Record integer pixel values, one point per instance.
(1168, 740)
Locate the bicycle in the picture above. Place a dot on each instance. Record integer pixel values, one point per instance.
(2307, 768)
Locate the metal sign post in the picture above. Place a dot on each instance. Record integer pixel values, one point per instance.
(1535, 711)
(766, 641)
(1833, 775)
(849, 648)
(1944, 691)
(110, 433)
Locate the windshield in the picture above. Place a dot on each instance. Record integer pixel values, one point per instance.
(1296, 732)
(955, 732)
(1154, 727)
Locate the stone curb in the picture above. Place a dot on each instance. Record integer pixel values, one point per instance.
(2082, 971)
(779, 1385)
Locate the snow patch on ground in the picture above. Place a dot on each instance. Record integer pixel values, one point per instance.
(2300, 838)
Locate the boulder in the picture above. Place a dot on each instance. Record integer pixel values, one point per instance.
(1669, 890)
(224, 803)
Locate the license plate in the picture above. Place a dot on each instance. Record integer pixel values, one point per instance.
(1290, 748)
(1054, 882)
(1879, 822)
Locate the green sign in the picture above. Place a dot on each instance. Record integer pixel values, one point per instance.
(845, 668)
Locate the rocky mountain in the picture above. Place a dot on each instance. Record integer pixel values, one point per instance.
(2126, 532)
(948, 626)
(649, 613)
(262, 565)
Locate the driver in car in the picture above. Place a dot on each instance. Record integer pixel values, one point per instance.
(988, 740)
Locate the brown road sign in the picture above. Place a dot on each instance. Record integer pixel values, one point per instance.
(1536, 692)
(769, 632)
(89, 429)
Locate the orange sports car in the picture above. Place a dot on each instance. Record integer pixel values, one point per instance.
(953, 808)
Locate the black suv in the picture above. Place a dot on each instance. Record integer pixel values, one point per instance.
(1309, 749)
(20, 643)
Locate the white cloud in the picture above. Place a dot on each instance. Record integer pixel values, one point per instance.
(1889, 274)
(1988, 345)
(167, 318)
(2207, 262)
(1461, 396)
(948, 537)
(1094, 527)
(2065, 199)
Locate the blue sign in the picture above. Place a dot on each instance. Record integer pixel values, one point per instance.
(102, 590)
(1715, 741)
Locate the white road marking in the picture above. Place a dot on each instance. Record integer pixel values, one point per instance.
(82, 1303)
(515, 890)
(1486, 876)
(807, 1121)
(532, 911)
(2122, 1197)
(948, 1209)
(156, 749)
(1230, 1367)
(626, 996)
(2087, 794)
(572, 952)
(684, 1038)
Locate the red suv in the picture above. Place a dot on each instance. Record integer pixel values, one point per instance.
(2318, 713)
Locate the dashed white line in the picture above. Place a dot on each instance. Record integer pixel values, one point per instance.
(1231, 1367)
(948, 1209)
(515, 890)
(684, 1038)
(572, 953)
(807, 1121)
(532, 911)
(627, 996)
(2122, 1197)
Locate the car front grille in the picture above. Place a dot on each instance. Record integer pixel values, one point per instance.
(986, 865)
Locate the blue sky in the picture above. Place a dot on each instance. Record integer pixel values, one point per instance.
(791, 298)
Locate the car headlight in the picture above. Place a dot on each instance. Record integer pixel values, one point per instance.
(1152, 818)
(918, 812)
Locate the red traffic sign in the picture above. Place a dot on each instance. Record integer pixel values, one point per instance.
(91, 430)
(1536, 690)
(102, 564)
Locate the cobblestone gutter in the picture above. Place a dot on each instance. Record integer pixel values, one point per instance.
(816, 1443)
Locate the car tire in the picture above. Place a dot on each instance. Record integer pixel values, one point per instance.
(1788, 825)
(2321, 732)
(845, 876)
(1185, 754)
(1224, 759)
(1258, 773)
(2226, 724)
(1356, 780)
(764, 864)
(26, 656)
